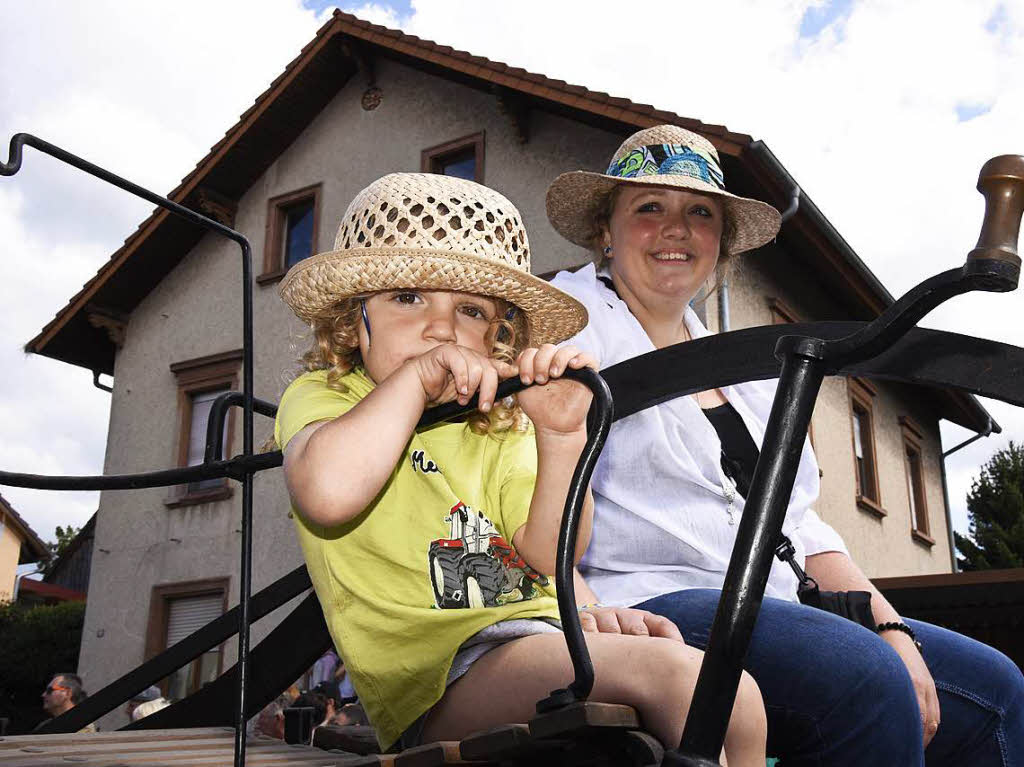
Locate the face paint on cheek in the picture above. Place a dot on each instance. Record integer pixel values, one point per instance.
(366, 321)
(503, 333)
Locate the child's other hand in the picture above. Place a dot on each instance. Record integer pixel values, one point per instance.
(449, 372)
(554, 406)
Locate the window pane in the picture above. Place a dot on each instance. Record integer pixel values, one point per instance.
(858, 445)
(179, 683)
(201, 404)
(460, 166)
(298, 233)
(186, 615)
(863, 458)
(915, 487)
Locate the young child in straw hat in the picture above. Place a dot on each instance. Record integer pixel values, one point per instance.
(432, 551)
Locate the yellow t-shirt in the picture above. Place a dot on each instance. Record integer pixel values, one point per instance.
(428, 564)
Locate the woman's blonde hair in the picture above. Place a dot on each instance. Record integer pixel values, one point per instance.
(603, 216)
(335, 349)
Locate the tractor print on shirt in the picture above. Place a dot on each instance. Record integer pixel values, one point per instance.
(476, 567)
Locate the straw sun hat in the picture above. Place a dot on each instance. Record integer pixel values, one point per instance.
(664, 156)
(420, 230)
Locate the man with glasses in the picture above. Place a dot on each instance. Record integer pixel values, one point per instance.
(62, 694)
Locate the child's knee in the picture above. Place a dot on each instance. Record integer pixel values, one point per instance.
(671, 670)
(748, 711)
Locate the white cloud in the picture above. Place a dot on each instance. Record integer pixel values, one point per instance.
(863, 115)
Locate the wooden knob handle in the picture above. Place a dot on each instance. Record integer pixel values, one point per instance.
(1002, 183)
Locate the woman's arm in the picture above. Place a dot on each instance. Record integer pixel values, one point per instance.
(835, 571)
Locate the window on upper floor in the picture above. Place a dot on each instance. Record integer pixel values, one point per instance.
(200, 382)
(913, 456)
(865, 458)
(292, 225)
(463, 158)
(176, 611)
(781, 314)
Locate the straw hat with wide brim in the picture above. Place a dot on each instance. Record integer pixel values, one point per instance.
(431, 232)
(664, 156)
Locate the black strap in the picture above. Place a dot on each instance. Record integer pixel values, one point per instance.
(739, 457)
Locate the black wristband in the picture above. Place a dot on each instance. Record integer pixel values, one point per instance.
(902, 627)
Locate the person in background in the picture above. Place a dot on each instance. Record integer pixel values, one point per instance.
(62, 694)
(270, 721)
(346, 692)
(147, 707)
(324, 669)
(150, 693)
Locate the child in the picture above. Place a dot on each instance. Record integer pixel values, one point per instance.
(432, 552)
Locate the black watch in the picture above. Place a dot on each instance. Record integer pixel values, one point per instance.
(903, 627)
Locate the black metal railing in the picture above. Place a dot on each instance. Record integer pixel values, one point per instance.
(889, 347)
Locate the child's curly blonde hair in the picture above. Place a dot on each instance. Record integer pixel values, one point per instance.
(336, 349)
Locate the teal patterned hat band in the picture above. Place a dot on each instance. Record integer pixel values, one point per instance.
(669, 159)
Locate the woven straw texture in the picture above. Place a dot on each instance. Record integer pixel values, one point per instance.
(420, 230)
(575, 199)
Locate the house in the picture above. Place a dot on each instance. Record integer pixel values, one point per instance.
(163, 318)
(19, 545)
(67, 579)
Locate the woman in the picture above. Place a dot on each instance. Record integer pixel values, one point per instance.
(662, 225)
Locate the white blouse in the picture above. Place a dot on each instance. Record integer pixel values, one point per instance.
(662, 520)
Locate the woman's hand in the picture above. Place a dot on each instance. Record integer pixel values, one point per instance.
(555, 407)
(924, 685)
(627, 620)
(450, 372)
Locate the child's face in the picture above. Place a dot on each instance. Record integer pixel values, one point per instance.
(407, 323)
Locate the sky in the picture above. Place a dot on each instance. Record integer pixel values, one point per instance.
(883, 112)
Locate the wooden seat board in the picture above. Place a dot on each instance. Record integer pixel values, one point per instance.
(583, 716)
(114, 736)
(200, 747)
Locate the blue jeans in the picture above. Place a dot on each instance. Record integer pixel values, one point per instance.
(836, 694)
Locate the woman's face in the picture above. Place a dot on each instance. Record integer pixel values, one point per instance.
(664, 242)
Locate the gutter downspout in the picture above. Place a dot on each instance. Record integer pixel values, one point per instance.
(17, 582)
(990, 427)
(759, 148)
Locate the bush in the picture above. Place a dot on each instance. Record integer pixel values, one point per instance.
(35, 644)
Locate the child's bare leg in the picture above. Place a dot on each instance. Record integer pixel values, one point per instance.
(656, 676)
(746, 738)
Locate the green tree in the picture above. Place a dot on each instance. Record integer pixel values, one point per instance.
(995, 508)
(64, 537)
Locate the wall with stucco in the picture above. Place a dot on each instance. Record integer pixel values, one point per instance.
(10, 552)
